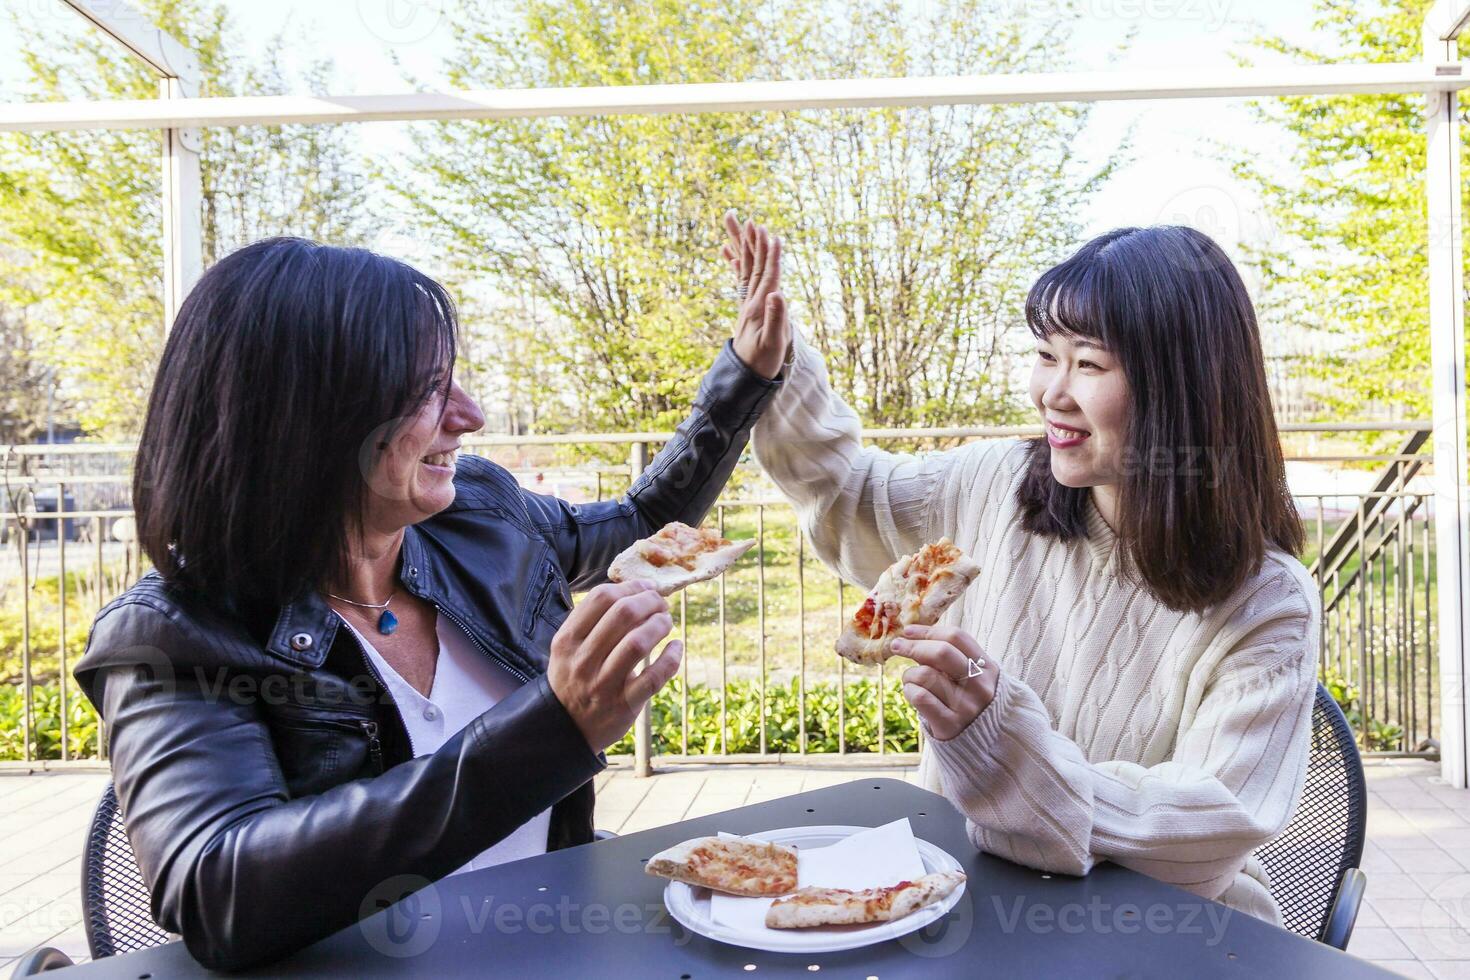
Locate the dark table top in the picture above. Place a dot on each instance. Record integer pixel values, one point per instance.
(593, 912)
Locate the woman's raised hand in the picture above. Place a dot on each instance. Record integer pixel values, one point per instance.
(762, 331)
(940, 688)
(596, 652)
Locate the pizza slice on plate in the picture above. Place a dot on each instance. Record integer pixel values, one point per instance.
(677, 556)
(842, 907)
(916, 589)
(734, 865)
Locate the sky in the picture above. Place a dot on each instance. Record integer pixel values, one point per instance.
(1173, 174)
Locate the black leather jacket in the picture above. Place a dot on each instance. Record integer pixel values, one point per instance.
(265, 774)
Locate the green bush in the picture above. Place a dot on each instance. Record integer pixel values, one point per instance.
(782, 719)
(81, 718)
(743, 720)
(45, 627)
(1380, 736)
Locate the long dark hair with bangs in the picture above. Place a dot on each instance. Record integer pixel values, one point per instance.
(285, 358)
(1203, 488)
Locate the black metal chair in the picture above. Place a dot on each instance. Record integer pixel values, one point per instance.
(42, 960)
(1313, 863)
(115, 906)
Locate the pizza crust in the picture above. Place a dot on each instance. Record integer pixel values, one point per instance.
(668, 579)
(948, 583)
(733, 865)
(812, 907)
(861, 649)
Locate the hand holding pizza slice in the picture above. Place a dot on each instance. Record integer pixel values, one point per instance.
(913, 591)
(676, 557)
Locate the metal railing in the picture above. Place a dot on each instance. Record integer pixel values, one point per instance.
(1376, 578)
(759, 681)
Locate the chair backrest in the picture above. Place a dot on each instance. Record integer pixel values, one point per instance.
(115, 902)
(1325, 836)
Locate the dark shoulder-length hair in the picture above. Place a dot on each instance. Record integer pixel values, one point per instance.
(289, 366)
(1203, 490)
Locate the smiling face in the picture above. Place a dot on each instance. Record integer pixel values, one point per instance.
(1079, 389)
(412, 478)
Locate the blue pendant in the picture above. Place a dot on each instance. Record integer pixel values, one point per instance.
(387, 622)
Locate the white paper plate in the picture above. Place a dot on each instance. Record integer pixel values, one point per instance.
(690, 904)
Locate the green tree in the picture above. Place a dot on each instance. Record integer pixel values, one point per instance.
(80, 213)
(26, 384)
(598, 237)
(1349, 260)
(921, 229)
(588, 243)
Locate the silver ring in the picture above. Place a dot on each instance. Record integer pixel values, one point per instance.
(975, 668)
(741, 291)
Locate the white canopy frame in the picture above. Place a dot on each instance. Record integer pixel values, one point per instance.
(1439, 76)
(178, 78)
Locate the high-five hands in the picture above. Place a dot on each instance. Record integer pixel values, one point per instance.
(762, 331)
(596, 652)
(940, 688)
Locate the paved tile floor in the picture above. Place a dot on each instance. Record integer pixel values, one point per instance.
(1416, 919)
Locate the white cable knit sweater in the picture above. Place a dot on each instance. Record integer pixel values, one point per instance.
(1173, 744)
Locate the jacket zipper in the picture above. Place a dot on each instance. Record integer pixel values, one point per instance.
(375, 747)
(480, 646)
(372, 736)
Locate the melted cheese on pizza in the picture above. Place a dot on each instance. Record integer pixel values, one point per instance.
(895, 600)
(931, 563)
(744, 867)
(679, 544)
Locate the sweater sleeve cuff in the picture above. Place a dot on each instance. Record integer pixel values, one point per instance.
(965, 761)
(804, 393)
(732, 390)
(804, 361)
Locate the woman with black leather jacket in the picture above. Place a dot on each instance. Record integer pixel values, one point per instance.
(357, 656)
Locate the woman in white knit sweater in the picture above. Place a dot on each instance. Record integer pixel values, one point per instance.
(1149, 641)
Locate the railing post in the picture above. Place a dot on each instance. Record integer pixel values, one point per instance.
(28, 693)
(99, 527)
(61, 610)
(760, 606)
(178, 71)
(684, 673)
(643, 728)
(801, 638)
(182, 236)
(1447, 352)
(724, 652)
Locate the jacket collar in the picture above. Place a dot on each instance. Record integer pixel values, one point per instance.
(306, 626)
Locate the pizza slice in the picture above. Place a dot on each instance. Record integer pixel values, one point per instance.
(916, 589)
(842, 906)
(734, 865)
(677, 556)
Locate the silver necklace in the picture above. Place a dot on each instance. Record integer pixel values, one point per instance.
(387, 622)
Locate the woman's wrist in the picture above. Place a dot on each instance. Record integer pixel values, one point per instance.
(757, 361)
(745, 371)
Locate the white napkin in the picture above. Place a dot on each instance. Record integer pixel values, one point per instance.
(882, 856)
